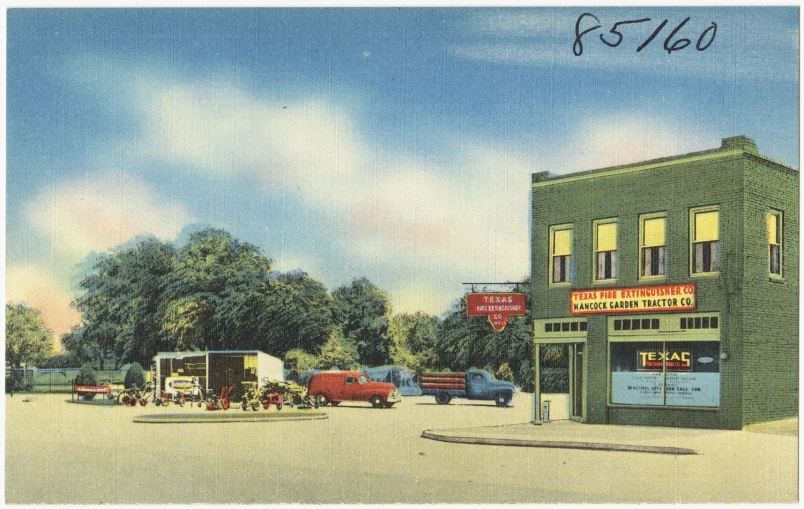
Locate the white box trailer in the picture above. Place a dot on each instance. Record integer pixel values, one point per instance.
(174, 371)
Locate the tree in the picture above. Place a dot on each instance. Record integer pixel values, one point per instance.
(413, 340)
(120, 304)
(338, 352)
(87, 376)
(215, 293)
(135, 377)
(294, 314)
(362, 310)
(297, 361)
(27, 338)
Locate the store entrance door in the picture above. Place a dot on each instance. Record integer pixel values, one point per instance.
(577, 388)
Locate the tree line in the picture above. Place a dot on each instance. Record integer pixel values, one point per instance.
(218, 293)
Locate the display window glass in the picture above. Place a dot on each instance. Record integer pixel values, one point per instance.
(683, 373)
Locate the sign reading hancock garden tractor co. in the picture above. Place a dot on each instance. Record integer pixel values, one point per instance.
(497, 306)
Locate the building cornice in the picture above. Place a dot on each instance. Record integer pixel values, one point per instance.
(542, 180)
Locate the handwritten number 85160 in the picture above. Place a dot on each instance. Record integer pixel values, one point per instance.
(669, 45)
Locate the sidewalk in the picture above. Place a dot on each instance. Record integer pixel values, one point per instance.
(604, 437)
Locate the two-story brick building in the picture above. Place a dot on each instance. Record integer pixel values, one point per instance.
(673, 284)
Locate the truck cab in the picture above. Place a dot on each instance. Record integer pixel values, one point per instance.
(481, 385)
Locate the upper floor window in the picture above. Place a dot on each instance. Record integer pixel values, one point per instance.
(605, 250)
(652, 245)
(705, 236)
(773, 218)
(561, 254)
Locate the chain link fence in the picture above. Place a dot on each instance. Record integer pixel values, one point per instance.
(55, 379)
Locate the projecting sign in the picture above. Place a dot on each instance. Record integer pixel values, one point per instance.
(497, 306)
(636, 299)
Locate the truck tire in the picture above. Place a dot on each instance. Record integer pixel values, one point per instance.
(442, 398)
(322, 400)
(502, 399)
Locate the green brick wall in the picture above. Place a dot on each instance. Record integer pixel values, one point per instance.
(770, 318)
(741, 185)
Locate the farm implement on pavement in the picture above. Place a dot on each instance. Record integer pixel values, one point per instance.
(276, 393)
(132, 395)
(215, 402)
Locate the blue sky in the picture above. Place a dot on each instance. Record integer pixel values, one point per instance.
(395, 144)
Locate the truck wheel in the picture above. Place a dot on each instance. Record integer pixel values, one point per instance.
(322, 400)
(442, 398)
(502, 400)
(376, 401)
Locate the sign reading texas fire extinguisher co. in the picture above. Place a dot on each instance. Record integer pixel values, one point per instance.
(497, 306)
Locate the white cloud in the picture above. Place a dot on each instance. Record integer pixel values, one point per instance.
(102, 211)
(628, 137)
(34, 286)
(223, 130)
(463, 220)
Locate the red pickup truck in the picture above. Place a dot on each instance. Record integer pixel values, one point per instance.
(336, 386)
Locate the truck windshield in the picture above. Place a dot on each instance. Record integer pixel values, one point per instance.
(362, 380)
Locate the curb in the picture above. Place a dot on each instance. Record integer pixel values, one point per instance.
(234, 417)
(557, 444)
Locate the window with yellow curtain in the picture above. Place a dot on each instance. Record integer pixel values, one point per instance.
(652, 245)
(561, 253)
(705, 236)
(773, 219)
(605, 250)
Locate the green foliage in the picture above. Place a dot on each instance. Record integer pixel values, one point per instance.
(297, 314)
(64, 360)
(135, 377)
(120, 305)
(554, 369)
(213, 293)
(504, 372)
(554, 380)
(362, 311)
(554, 356)
(413, 340)
(27, 339)
(297, 361)
(87, 377)
(338, 352)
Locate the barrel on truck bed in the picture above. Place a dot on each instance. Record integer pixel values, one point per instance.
(435, 381)
(474, 384)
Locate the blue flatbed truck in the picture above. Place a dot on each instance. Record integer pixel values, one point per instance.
(474, 385)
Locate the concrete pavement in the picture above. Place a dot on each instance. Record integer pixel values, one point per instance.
(568, 434)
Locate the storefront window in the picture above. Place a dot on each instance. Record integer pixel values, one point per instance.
(666, 373)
